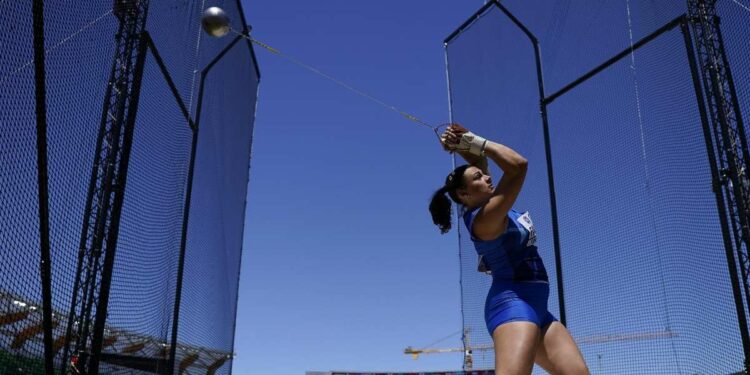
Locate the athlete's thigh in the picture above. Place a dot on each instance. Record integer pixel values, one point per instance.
(515, 347)
(558, 353)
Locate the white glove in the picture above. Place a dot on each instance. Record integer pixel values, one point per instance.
(472, 143)
(458, 138)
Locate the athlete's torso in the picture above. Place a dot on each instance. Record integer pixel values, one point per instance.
(513, 256)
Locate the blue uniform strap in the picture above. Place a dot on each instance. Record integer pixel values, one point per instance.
(469, 217)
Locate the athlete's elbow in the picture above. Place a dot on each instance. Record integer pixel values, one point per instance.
(521, 164)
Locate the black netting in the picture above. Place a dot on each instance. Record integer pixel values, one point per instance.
(183, 45)
(217, 214)
(19, 223)
(642, 247)
(576, 36)
(80, 44)
(143, 281)
(646, 280)
(74, 100)
(74, 110)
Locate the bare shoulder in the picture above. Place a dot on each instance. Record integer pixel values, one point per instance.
(487, 228)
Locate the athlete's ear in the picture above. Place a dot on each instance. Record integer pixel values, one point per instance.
(463, 194)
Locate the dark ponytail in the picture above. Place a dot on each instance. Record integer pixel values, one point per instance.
(440, 208)
(440, 205)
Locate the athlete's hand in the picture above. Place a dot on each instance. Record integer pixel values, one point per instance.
(452, 137)
(458, 138)
(457, 129)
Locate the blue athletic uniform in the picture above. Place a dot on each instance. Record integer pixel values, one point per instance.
(520, 286)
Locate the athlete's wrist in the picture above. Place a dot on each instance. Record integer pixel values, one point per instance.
(473, 144)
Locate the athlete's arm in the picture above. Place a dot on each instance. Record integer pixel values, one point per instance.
(477, 161)
(492, 219)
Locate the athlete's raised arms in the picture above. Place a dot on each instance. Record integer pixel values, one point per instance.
(491, 220)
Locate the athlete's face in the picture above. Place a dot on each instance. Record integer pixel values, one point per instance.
(478, 187)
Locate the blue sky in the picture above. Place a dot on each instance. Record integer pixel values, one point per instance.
(342, 267)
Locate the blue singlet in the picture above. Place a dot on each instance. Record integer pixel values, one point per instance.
(520, 286)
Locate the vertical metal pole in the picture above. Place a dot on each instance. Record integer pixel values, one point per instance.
(109, 257)
(743, 170)
(45, 267)
(183, 243)
(188, 195)
(83, 263)
(543, 101)
(468, 361)
(106, 191)
(735, 101)
(716, 184)
(551, 180)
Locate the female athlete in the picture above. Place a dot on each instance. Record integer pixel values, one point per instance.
(523, 331)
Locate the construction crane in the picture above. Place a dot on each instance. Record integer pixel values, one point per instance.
(469, 349)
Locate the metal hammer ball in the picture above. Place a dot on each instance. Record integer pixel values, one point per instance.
(215, 22)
